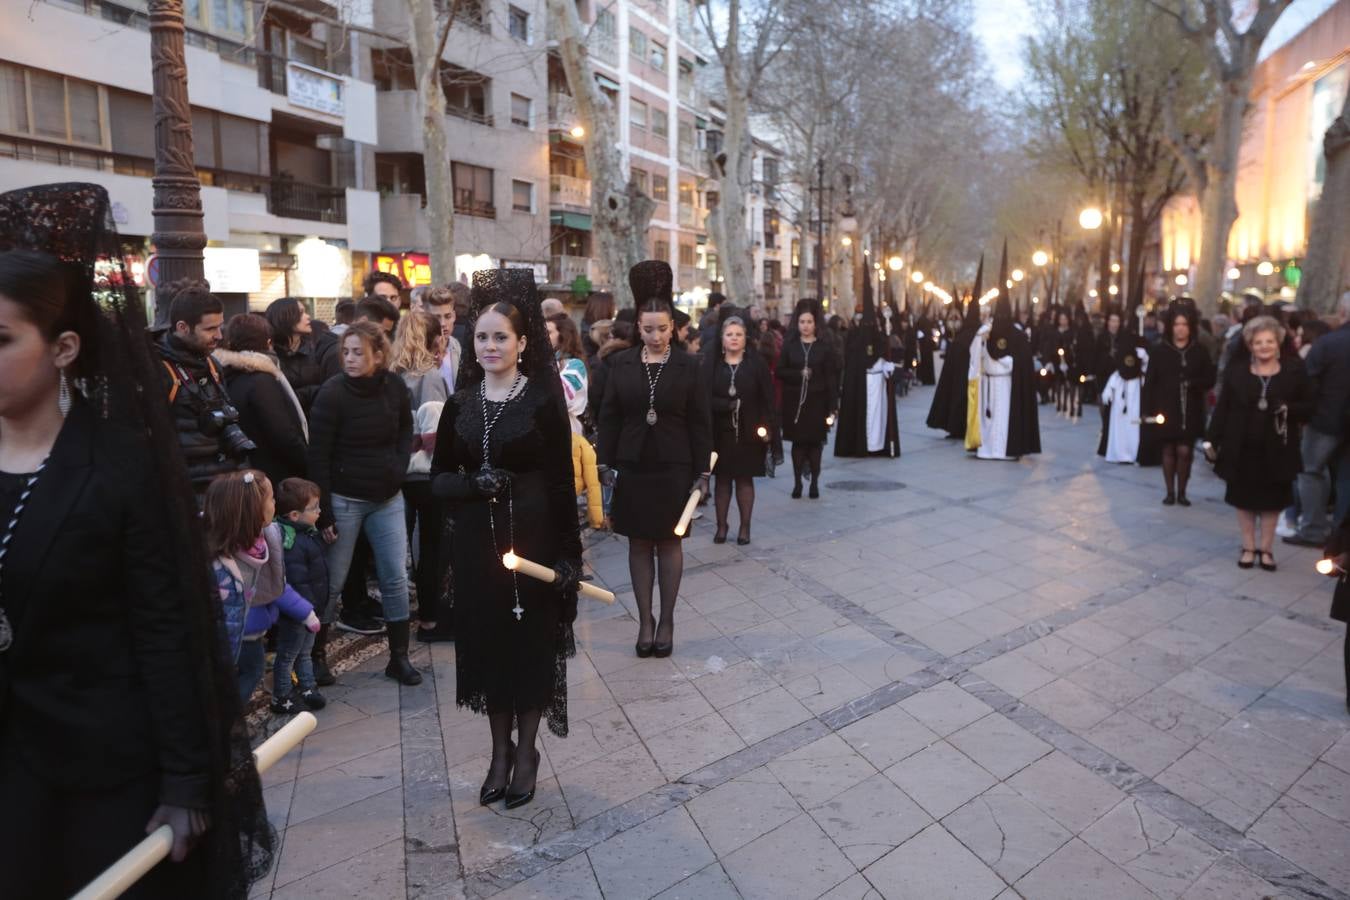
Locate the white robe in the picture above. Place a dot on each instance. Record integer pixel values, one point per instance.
(994, 395)
(877, 397)
(1122, 436)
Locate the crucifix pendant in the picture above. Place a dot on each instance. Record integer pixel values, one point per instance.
(518, 611)
(1262, 404)
(731, 391)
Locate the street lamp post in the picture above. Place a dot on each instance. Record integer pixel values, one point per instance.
(179, 234)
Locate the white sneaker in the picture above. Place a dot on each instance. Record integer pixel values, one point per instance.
(1283, 529)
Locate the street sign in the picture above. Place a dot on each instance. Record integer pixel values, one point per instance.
(152, 270)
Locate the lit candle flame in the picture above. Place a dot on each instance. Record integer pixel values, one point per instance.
(510, 560)
(1325, 567)
(1160, 419)
(1082, 379)
(829, 420)
(1045, 371)
(762, 431)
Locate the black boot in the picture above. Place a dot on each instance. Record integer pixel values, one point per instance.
(400, 668)
(323, 676)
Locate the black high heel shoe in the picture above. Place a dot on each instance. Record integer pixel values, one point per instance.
(645, 650)
(815, 491)
(1182, 500)
(720, 536)
(514, 800)
(1249, 564)
(490, 795)
(1170, 500)
(797, 491)
(743, 539)
(1264, 555)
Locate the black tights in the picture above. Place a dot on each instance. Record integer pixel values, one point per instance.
(745, 502)
(805, 456)
(645, 560)
(1176, 461)
(526, 763)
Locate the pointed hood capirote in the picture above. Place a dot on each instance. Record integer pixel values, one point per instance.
(1001, 331)
(972, 317)
(652, 282)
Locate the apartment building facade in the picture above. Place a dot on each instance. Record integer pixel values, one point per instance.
(494, 73)
(647, 56)
(281, 120)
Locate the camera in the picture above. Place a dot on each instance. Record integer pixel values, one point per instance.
(223, 424)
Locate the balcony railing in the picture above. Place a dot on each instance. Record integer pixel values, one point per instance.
(566, 269)
(470, 115)
(603, 47)
(313, 202)
(562, 111)
(565, 190)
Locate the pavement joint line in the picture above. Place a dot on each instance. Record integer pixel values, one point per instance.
(955, 668)
(432, 866)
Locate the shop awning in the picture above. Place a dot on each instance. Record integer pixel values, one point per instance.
(579, 221)
(606, 82)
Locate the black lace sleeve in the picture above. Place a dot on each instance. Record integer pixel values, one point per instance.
(699, 417)
(447, 483)
(556, 437)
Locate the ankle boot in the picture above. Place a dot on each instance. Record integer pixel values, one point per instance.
(323, 676)
(400, 668)
(797, 488)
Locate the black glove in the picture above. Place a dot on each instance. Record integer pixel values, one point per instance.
(491, 482)
(569, 575)
(701, 485)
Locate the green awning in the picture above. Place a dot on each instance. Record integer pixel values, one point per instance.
(606, 82)
(579, 221)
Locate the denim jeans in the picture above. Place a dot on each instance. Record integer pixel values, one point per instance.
(1314, 484)
(252, 661)
(384, 526)
(294, 643)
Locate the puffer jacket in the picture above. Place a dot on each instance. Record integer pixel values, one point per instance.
(192, 385)
(586, 475)
(269, 412)
(360, 439)
(306, 562)
(307, 367)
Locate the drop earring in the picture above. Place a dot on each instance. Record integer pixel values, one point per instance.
(63, 395)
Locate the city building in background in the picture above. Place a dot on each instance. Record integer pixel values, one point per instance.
(280, 121)
(1297, 92)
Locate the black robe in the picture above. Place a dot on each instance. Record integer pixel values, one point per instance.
(950, 400)
(923, 332)
(862, 348)
(1024, 427)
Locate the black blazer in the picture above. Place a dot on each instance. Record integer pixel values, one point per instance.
(683, 429)
(99, 687)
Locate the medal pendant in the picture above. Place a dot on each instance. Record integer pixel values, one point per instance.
(651, 417)
(1262, 404)
(6, 632)
(518, 611)
(731, 391)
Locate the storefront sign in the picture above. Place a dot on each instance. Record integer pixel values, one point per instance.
(321, 269)
(231, 270)
(413, 268)
(313, 89)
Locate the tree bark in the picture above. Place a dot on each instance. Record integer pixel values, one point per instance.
(1218, 204)
(620, 212)
(734, 175)
(426, 41)
(1329, 237)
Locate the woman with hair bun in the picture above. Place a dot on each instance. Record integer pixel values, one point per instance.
(810, 376)
(1180, 373)
(656, 430)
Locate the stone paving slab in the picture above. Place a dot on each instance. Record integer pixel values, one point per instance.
(1003, 680)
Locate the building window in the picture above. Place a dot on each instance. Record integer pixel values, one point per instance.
(62, 109)
(604, 24)
(220, 16)
(522, 196)
(661, 250)
(660, 188)
(687, 255)
(466, 94)
(637, 44)
(657, 57)
(660, 123)
(637, 114)
(518, 23)
(521, 112)
(473, 190)
(474, 13)
(642, 179)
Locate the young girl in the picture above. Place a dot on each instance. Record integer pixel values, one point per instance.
(249, 566)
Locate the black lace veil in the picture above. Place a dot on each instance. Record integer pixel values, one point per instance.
(117, 376)
(516, 287)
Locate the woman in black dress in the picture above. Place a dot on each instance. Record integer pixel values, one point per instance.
(810, 376)
(655, 430)
(742, 415)
(1254, 437)
(1180, 372)
(119, 707)
(504, 461)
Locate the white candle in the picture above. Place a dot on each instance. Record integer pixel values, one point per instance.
(694, 497)
(548, 576)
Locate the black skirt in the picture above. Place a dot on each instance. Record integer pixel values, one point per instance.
(1253, 487)
(738, 458)
(649, 498)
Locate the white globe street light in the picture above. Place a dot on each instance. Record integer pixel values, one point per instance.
(1234, 273)
(1018, 274)
(1090, 218)
(1040, 258)
(896, 263)
(917, 278)
(1182, 280)
(1265, 268)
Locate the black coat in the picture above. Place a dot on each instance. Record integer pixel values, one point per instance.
(683, 431)
(822, 390)
(360, 439)
(951, 398)
(267, 414)
(98, 688)
(193, 386)
(309, 366)
(1329, 366)
(1279, 456)
(1168, 370)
